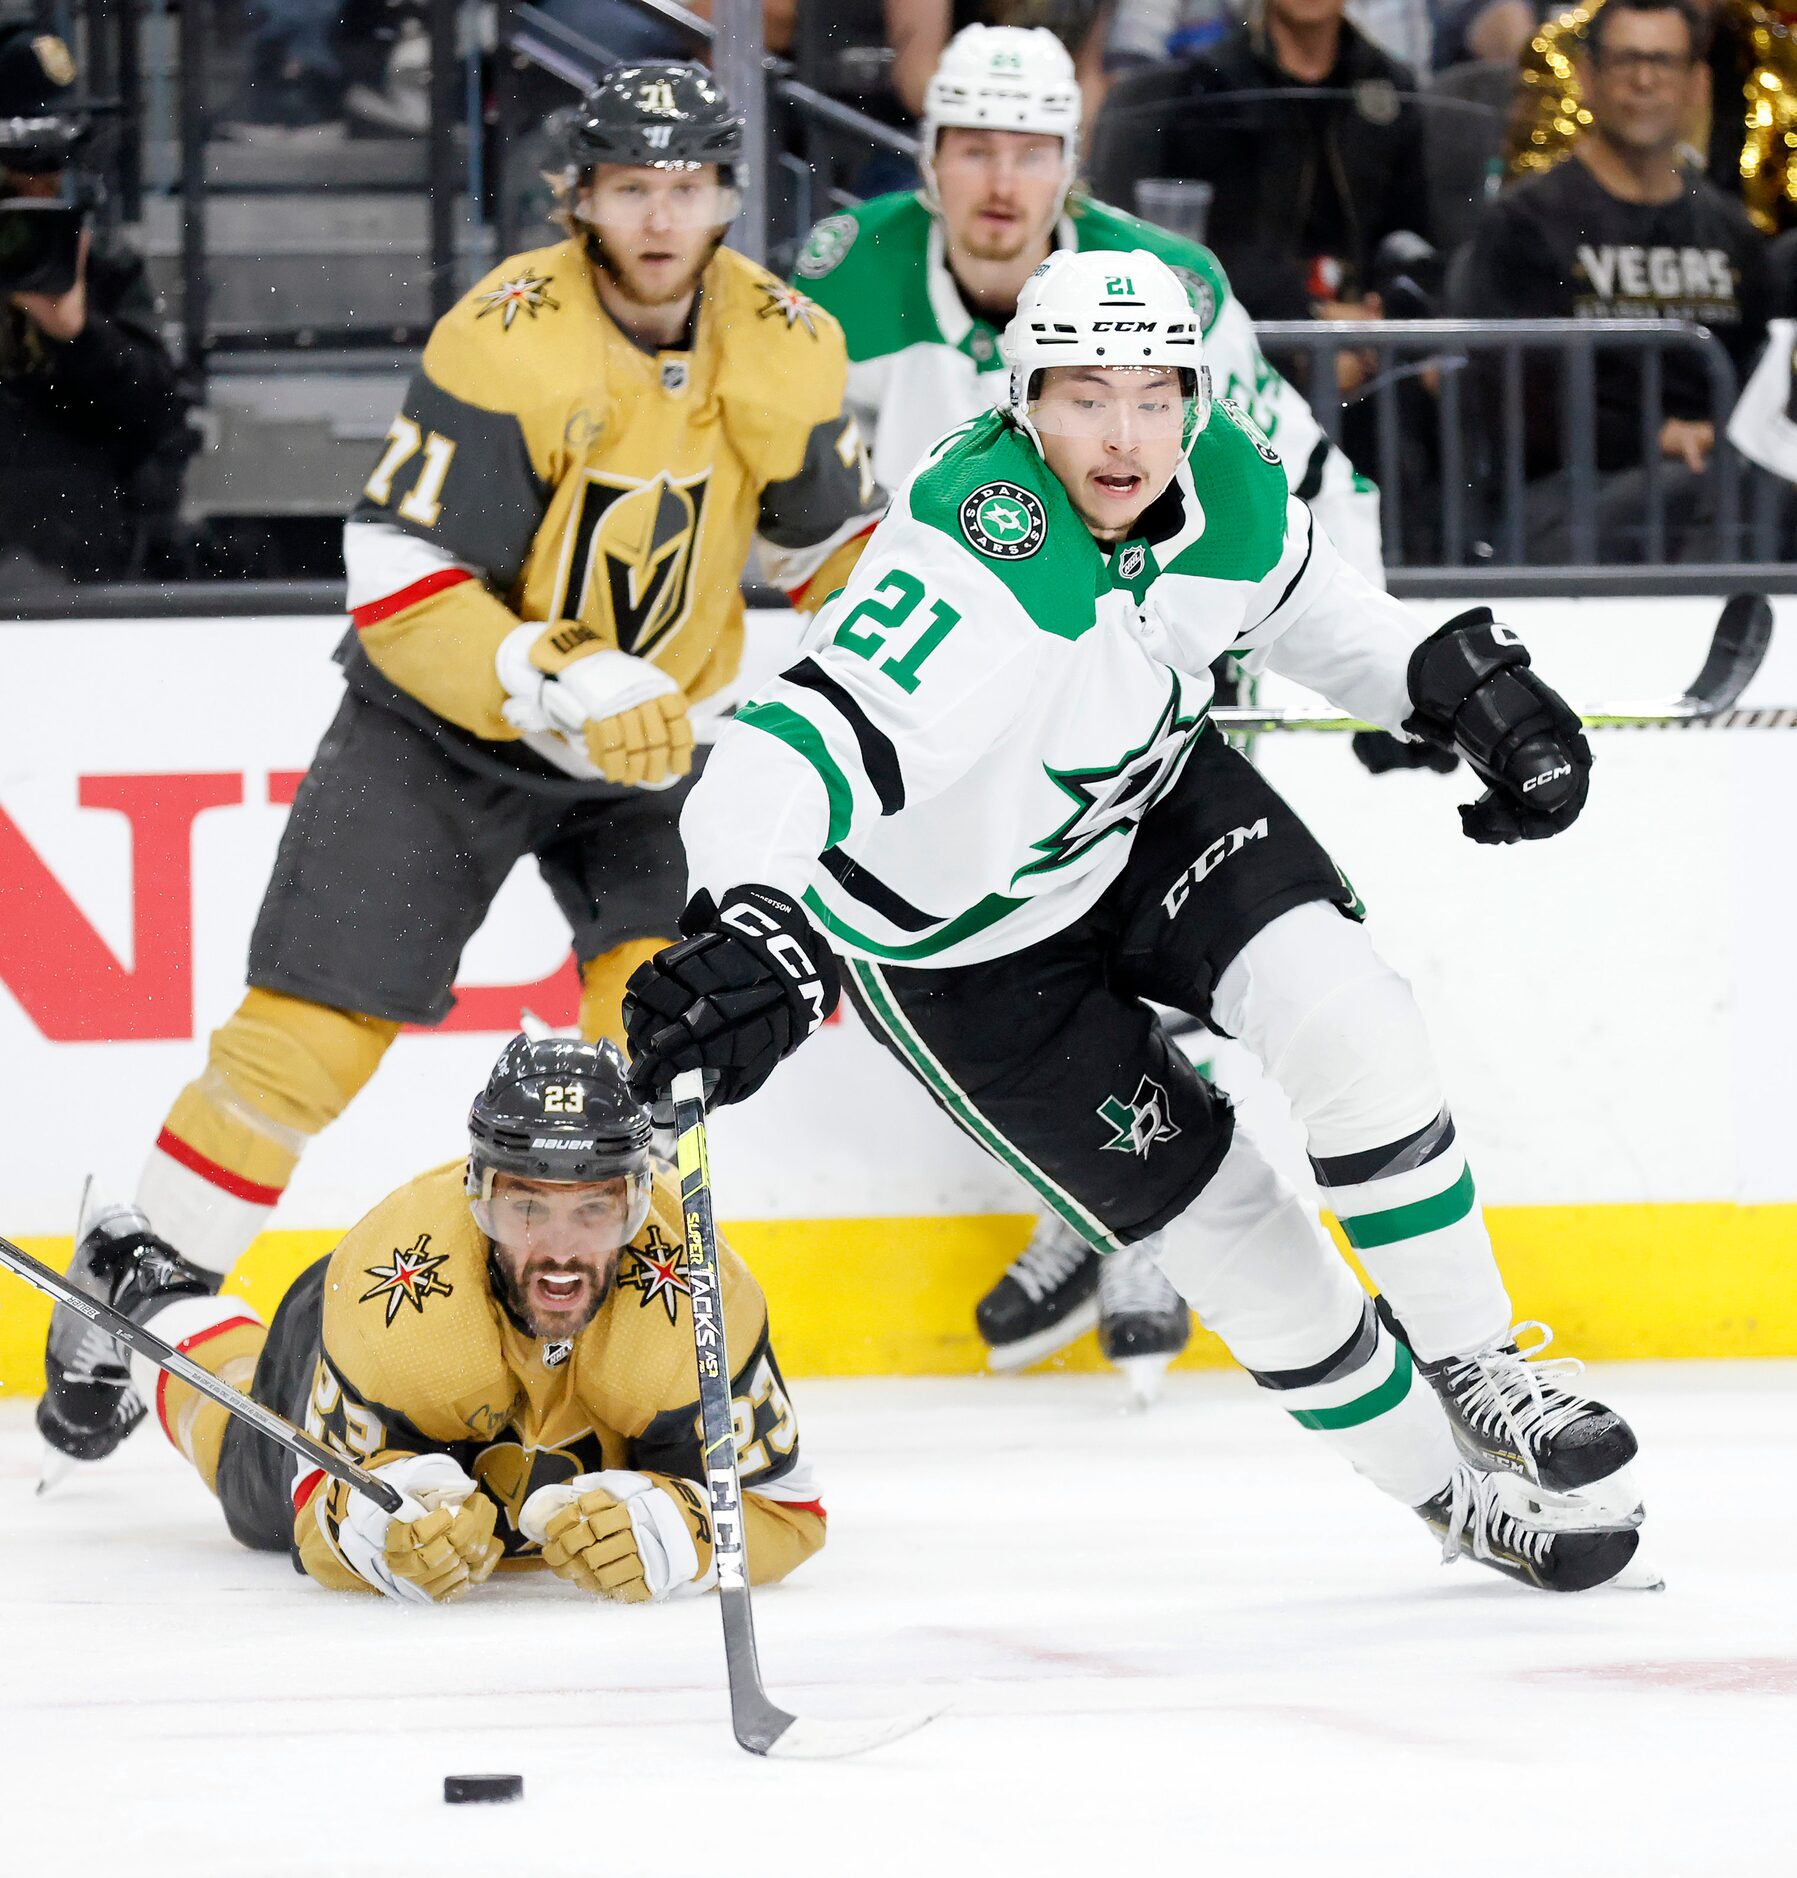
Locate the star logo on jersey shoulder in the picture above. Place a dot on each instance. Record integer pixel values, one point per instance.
(529, 293)
(654, 1269)
(1116, 796)
(409, 1279)
(1004, 521)
(1137, 1125)
(788, 304)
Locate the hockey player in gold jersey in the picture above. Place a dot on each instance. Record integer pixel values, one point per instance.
(543, 578)
(504, 1340)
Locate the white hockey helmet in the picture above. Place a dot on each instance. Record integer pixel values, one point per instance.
(1109, 307)
(1003, 78)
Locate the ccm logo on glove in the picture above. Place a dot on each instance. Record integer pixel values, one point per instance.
(756, 922)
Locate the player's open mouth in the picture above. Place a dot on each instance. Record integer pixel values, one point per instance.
(1118, 486)
(557, 1290)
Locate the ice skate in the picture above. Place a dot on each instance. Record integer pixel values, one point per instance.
(1512, 1411)
(1143, 1323)
(88, 1405)
(1484, 1516)
(1047, 1297)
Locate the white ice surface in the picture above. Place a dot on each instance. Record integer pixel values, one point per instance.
(1190, 1642)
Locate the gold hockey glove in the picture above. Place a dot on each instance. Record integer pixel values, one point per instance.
(592, 709)
(438, 1546)
(637, 1538)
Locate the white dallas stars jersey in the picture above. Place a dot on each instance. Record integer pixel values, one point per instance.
(920, 362)
(956, 766)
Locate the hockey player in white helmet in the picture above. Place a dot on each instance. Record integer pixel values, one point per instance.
(923, 282)
(989, 789)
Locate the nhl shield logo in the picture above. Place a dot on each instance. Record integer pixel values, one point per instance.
(1132, 560)
(1004, 521)
(673, 376)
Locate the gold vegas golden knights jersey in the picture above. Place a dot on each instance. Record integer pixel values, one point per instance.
(419, 1356)
(545, 467)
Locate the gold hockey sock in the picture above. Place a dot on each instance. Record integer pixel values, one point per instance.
(225, 1338)
(279, 1069)
(602, 982)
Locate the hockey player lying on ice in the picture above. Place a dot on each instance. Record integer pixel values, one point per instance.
(503, 1335)
(989, 785)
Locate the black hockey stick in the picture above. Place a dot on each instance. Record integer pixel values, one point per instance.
(1737, 649)
(119, 1327)
(761, 1726)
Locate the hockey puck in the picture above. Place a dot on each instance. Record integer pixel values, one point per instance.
(465, 1789)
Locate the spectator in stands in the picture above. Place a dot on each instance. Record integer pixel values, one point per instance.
(1316, 164)
(89, 398)
(918, 30)
(1624, 229)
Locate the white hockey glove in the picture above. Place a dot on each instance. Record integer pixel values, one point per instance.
(638, 1538)
(437, 1546)
(602, 713)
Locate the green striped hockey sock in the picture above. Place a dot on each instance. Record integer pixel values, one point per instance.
(1410, 1211)
(1367, 1401)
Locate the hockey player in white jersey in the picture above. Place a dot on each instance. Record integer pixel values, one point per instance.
(923, 282)
(989, 785)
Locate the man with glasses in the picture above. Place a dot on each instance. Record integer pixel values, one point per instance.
(544, 577)
(1625, 229)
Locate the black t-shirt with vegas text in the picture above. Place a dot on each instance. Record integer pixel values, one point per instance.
(1560, 246)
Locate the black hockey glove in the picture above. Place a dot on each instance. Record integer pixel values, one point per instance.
(750, 982)
(1472, 688)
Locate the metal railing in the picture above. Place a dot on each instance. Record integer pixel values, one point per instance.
(1483, 431)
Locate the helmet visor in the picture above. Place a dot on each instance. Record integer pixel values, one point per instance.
(636, 201)
(1126, 403)
(552, 1220)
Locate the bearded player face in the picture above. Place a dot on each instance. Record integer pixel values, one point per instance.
(656, 228)
(556, 1247)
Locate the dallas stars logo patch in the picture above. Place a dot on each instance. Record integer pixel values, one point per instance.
(529, 293)
(1004, 521)
(654, 1270)
(1137, 1125)
(410, 1279)
(1116, 796)
(789, 304)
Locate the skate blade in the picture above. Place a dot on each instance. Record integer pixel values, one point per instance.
(1045, 1343)
(1636, 1575)
(53, 1467)
(1144, 1379)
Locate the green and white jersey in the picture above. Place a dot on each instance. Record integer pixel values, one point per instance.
(956, 766)
(921, 363)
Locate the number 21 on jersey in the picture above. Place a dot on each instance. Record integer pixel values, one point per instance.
(867, 631)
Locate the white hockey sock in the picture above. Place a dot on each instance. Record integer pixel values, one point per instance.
(1257, 1269)
(1340, 1032)
(1368, 1403)
(209, 1215)
(1410, 1211)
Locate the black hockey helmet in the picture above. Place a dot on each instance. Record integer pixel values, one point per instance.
(659, 113)
(41, 126)
(560, 1110)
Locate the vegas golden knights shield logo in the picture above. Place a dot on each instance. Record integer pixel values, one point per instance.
(633, 544)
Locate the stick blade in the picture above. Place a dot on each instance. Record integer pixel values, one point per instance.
(1737, 650)
(805, 1739)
